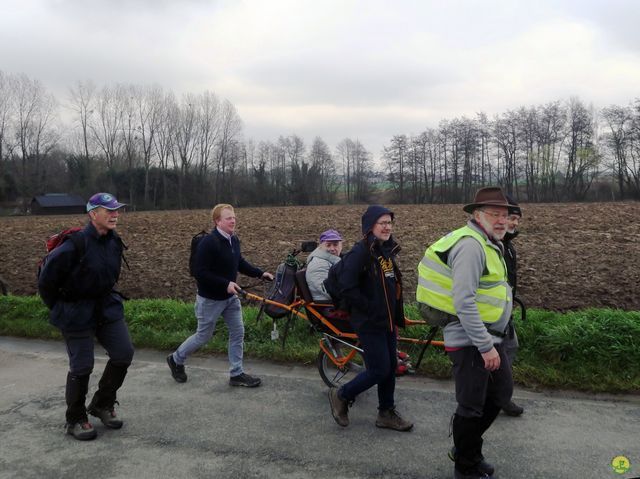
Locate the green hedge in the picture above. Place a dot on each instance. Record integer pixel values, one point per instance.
(592, 350)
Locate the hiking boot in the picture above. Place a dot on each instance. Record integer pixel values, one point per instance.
(82, 431)
(390, 419)
(106, 415)
(245, 380)
(483, 466)
(177, 370)
(339, 408)
(512, 409)
(472, 474)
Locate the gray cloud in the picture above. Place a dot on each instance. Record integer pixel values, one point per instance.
(362, 69)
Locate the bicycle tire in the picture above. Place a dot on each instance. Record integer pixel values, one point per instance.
(333, 376)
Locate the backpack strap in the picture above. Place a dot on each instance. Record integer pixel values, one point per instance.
(124, 247)
(80, 245)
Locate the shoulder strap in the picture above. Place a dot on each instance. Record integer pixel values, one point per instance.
(124, 248)
(80, 244)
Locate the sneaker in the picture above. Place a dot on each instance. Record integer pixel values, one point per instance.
(339, 408)
(82, 431)
(177, 370)
(245, 380)
(390, 419)
(483, 466)
(106, 415)
(512, 409)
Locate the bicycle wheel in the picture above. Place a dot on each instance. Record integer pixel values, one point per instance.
(334, 375)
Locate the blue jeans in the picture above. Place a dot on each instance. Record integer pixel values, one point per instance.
(207, 313)
(380, 357)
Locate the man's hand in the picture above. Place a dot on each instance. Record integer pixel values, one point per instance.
(491, 359)
(267, 276)
(233, 288)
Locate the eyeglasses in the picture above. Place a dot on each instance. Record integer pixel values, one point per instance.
(495, 215)
(386, 224)
(514, 218)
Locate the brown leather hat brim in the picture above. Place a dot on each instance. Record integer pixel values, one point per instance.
(472, 206)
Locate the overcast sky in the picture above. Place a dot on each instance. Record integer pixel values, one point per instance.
(335, 69)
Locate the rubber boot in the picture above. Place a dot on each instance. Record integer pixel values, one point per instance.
(102, 404)
(467, 438)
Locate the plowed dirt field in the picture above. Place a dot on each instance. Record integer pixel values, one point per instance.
(571, 256)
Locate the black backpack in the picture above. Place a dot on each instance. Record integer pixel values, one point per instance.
(282, 289)
(195, 241)
(332, 283)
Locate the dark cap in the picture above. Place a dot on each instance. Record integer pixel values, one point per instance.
(514, 209)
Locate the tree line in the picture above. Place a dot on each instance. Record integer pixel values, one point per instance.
(560, 151)
(157, 151)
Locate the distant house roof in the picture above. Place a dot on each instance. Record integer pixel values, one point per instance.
(59, 199)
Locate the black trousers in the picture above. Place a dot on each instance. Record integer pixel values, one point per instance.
(114, 337)
(480, 395)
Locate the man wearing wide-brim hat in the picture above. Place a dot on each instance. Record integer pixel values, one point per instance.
(463, 278)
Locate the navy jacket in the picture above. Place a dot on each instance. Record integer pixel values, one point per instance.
(79, 290)
(371, 282)
(218, 262)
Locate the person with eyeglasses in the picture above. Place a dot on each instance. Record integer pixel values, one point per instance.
(371, 285)
(511, 344)
(463, 278)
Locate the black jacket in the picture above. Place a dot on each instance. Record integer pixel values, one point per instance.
(78, 289)
(371, 282)
(218, 262)
(511, 260)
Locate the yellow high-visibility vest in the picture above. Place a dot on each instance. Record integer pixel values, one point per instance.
(435, 279)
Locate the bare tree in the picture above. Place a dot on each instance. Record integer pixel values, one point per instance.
(230, 128)
(582, 155)
(619, 138)
(35, 131)
(209, 123)
(5, 120)
(148, 110)
(164, 141)
(186, 140)
(106, 126)
(396, 158)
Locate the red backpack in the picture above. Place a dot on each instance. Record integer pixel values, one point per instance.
(74, 234)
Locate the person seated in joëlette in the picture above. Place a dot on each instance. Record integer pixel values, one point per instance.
(317, 269)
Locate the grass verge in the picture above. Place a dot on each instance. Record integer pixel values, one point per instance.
(595, 350)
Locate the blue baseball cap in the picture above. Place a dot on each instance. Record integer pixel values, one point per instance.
(104, 200)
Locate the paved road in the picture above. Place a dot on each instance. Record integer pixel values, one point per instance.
(206, 429)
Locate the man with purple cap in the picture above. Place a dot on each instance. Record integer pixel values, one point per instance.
(462, 281)
(320, 261)
(77, 284)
